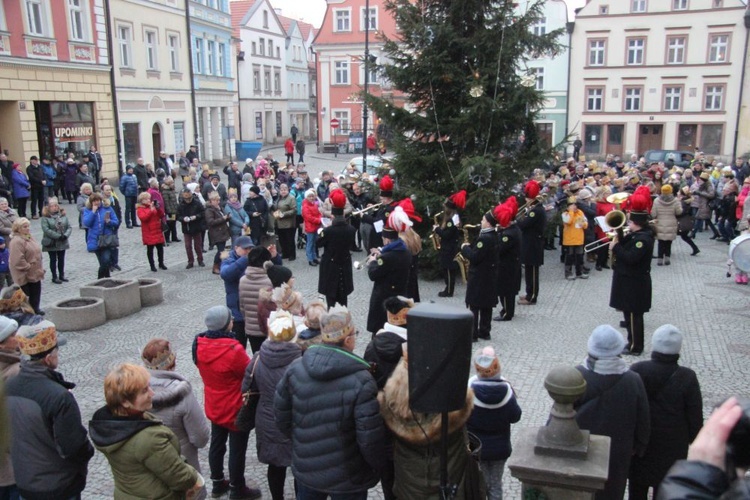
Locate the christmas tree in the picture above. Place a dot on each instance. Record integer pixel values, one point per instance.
(468, 119)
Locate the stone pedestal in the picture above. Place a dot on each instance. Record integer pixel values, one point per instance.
(121, 297)
(560, 478)
(78, 314)
(151, 290)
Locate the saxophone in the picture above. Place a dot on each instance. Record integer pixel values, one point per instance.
(434, 237)
(463, 262)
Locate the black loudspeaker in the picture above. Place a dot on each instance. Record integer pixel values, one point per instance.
(439, 347)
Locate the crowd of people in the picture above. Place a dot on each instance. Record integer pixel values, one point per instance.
(340, 421)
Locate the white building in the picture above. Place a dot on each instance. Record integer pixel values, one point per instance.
(649, 74)
(262, 73)
(152, 76)
(298, 78)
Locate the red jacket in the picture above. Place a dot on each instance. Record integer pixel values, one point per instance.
(289, 146)
(221, 363)
(602, 208)
(311, 216)
(151, 225)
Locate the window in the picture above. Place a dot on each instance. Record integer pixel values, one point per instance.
(253, 49)
(221, 63)
(633, 98)
(596, 52)
(717, 48)
(198, 54)
(718, 4)
(256, 80)
(373, 18)
(77, 14)
(174, 53)
(278, 53)
(341, 73)
(35, 17)
(277, 82)
(341, 20)
(539, 27)
(687, 135)
(267, 81)
(672, 98)
(539, 76)
(270, 48)
(152, 45)
(210, 55)
(679, 4)
(131, 139)
(676, 49)
(262, 46)
(343, 117)
(265, 19)
(638, 6)
(714, 98)
(711, 138)
(291, 91)
(603, 10)
(592, 139)
(373, 73)
(636, 50)
(123, 41)
(594, 98)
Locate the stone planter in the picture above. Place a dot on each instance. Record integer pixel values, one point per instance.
(152, 292)
(78, 314)
(121, 297)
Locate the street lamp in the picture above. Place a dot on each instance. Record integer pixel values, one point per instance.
(367, 81)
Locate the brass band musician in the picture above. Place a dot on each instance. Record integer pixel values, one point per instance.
(449, 233)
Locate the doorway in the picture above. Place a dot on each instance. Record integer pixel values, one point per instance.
(650, 137)
(156, 141)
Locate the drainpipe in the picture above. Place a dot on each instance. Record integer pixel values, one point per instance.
(192, 76)
(113, 91)
(240, 57)
(569, 28)
(746, 18)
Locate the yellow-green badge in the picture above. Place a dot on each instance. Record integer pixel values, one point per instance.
(380, 262)
(505, 238)
(480, 244)
(450, 224)
(321, 234)
(639, 244)
(532, 214)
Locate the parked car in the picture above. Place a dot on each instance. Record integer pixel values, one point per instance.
(680, 158)
(377, 166)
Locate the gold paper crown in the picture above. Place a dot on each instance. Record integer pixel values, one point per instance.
(162, 361)
(287, 299)
(336, 325)
(15, 302)
(281, 326)
(399, 318)
(45, 340)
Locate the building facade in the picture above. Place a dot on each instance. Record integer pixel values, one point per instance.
(649, 74)
(339, 48)
(298, 78)
(152, 77)
(261, 72)
(213, 61)
(551, 74)
(55, 92)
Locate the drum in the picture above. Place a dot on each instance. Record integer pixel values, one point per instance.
(739, 252)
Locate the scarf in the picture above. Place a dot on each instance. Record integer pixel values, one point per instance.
(607, 366)
(236, 205)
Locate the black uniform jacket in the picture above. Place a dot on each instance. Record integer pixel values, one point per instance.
(389, 274)
(449, 236)
(532, 242)
(381, 214)
(481, 287)
(631, 279)
(509, 261)
(336, 262)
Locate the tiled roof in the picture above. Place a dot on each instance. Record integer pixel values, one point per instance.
(238, 10)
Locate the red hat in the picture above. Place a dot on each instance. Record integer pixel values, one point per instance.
(512, 203)
(386, 186)
(564, 182)
(456, 200)
(399, 219)
(503, 214)
(531, 189)
(408, 207)
(338, 201)
(640, 200)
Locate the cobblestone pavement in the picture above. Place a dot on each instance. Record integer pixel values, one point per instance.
(692, 293)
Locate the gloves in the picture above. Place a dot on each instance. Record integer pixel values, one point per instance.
(186, 219)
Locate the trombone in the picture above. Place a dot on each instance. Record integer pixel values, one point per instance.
(616, 220)
(366, 209)
(433, 235)
(463, 262)
(523, 210)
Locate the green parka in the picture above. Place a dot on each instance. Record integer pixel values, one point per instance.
(55, 231)
(144, 455)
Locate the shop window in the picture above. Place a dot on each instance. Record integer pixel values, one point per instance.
(131, 137)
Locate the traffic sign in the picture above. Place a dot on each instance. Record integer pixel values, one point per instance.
(334, 123)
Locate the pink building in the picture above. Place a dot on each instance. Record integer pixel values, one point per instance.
(339, 47)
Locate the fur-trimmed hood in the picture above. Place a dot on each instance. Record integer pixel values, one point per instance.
(170, 388)
(394, 406)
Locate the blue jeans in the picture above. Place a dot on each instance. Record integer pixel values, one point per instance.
(305, 493)
(237, 450)
(311, 250)
(104, 256)
(130, 218)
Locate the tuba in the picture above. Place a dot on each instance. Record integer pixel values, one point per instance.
(463, 262)
(434, 236)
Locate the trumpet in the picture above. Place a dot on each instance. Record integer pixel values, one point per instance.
(616, 219)
(463, 262)
(434, 236)
(366, 209)
(359, 265)
(523, 210)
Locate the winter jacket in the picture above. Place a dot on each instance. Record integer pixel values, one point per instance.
(289, 146)
(144, 456)
(95, 223)
(209, 188)
(287, 206)
(141, 177)
(7, 219)
(10, 365)
(82, 179)
(5, 260)
(701, 481)
(129, 185)
(572, 234)
(416, 455)
(676, 411)
(150, 218)
(192, 209)
(311, 215)
(49, 173)
(169, 195)
(326, 402)
(495, 408)
(56, 228)
(685, 220)
(254, 280)
(221, 361)
(232, 269)
(36, 176)
(50, 449)
(71, 171)
(259, 223)
(270, 364)
(237, 218)
(26, 265)
(384, 352)
(218, 229)
(702, 193)
(178, 408)
(21, 185)
(665, 210)
(742, 223)
(389, 274)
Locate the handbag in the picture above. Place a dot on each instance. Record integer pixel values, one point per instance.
(46, 241)
(108, 241)
(245, 419)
